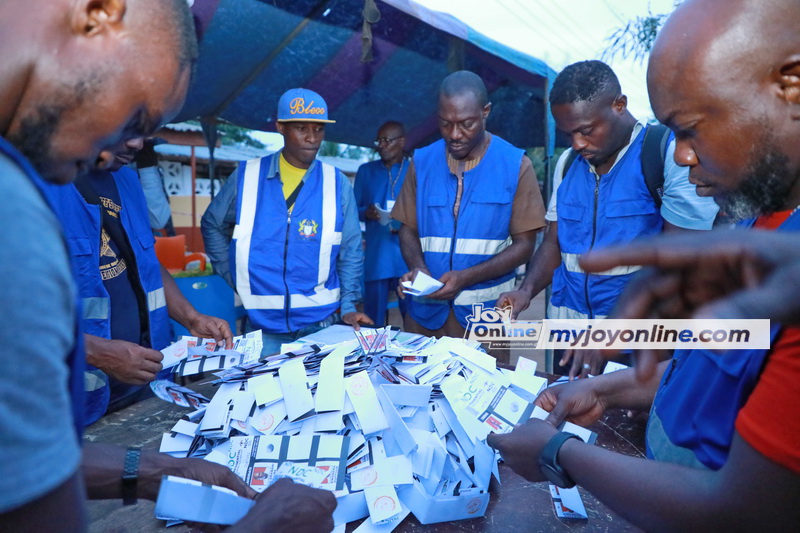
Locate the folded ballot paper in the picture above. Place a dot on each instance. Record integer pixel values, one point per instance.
(422, 285)
(391, 425)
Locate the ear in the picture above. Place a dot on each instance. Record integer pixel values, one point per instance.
(788, 78)
(91, 17)
(279, 127)
(620, 103)
(486, 110)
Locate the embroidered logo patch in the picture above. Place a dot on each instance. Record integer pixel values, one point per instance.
(308, 228)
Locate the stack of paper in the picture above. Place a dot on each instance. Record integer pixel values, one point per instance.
(390, 433)
(422, 285)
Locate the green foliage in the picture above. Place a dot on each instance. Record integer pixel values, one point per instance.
(636, 38)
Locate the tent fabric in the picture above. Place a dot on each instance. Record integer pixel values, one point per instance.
(253, 50)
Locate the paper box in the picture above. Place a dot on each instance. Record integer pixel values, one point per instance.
(432, 509)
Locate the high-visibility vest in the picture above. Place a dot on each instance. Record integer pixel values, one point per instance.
(284, 264)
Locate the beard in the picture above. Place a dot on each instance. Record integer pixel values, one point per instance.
(37, 130)
(35, 134)
(767, 183)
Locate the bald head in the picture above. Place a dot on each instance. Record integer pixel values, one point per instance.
(464, 82)
(81, 77)
(725, 76)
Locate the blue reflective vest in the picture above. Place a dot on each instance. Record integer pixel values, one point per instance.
(693, 417)
(284, 264)
(593, 212)
(75, 360)
(82, 225)
(480, 232)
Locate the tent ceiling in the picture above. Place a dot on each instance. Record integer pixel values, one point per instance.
(253, 50)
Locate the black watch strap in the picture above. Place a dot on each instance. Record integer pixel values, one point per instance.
(130, 475)
(548, 460)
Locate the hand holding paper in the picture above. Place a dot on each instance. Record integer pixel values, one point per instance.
(422, 285)
(521, 447)
(384, 215)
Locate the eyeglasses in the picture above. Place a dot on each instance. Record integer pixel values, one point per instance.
(387, 140)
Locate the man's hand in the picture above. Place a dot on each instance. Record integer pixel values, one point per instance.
(124, 361)
(584, 362)
(289, 507)
(355, 318)
(409, 276)
(372, 213)
(518, 300)
(577, 402)
(209, 327)
(521, 448)
(454, 281)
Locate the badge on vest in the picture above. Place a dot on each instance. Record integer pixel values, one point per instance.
(308, 228)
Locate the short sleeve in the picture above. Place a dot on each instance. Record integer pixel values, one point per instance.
(558, 176)
(527, 212)
(770, 420)
(680, 205)
(405, 210)
(39, 448)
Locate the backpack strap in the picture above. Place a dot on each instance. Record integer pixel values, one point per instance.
(571, 156)
(654, 153)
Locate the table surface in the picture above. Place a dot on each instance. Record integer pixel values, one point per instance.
(516, 505)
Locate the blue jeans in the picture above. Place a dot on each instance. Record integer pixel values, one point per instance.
(273, 341)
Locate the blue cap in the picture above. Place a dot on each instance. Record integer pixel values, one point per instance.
(302, 105)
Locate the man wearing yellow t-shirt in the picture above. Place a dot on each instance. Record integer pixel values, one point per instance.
(284, 232)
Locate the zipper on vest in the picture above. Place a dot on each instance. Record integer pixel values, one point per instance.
(455, 227)
(288, 298)
(594, 236)
(670, 370)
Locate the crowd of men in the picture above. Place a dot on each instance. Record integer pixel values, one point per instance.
(84, 281)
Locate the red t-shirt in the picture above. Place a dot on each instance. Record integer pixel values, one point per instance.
(770, 420)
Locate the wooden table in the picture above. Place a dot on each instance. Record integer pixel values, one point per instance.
(516, 505)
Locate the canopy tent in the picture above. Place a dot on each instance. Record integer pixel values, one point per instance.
(253, 50)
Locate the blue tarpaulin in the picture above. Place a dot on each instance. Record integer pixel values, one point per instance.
(253, 50)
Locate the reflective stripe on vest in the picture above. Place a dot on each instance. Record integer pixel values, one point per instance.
(465, 246)
(557, 312)
(570, 262)
(243, 233)
(96, 308)
(474, 296)
(156, 299)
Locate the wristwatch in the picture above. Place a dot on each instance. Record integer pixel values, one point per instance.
(130, 475)
(548, 461)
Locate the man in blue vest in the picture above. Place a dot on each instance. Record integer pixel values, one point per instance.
(283, 232)
(378, 183)
(724, 426)
(470, 208)
(603, 199)
(127, 296)
(77, 78)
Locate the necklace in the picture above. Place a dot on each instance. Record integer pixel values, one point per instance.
(393, 180)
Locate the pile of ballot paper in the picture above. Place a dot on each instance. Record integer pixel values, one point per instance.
(390, 424)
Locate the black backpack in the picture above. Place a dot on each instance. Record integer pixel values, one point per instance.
(654, 151)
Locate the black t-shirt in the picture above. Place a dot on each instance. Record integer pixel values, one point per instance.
(119, 276)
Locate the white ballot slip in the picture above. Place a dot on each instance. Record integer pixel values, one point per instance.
(193, 501)
(422, 285)
(385, 215)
